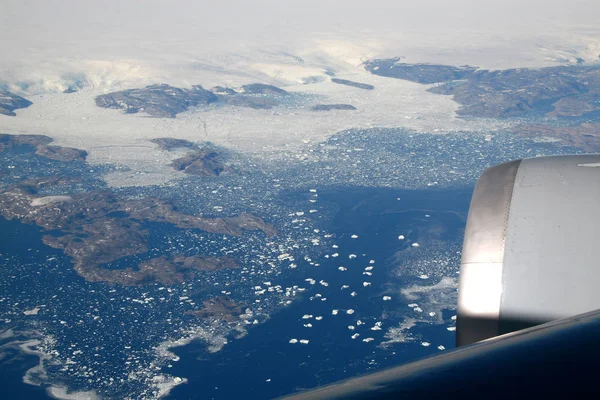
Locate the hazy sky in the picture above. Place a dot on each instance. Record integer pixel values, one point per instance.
(40, 37)
(27, 22)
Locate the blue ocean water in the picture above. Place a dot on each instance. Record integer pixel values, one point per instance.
(23, 240)
(264, 364)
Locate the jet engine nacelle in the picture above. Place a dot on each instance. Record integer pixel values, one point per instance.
(531, 251)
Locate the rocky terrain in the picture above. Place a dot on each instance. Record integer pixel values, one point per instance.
(585, 136)
(260, 88)
(99, 227)
(420, 73)
(42, 147)
(159, 100)
(172, 144)
(331, 107)
(165, 101)
(166, 270)
(525, 92)
(202, 159)
(564, 91)
(358, 85)
(220, 307)
(10, 102)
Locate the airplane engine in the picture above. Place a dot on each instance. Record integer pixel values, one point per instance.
(531, 250)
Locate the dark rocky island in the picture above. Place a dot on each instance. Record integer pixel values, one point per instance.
(172, 144)
(157, 100)
(564, 91)
(331, 107)
(99, 227)
(60, 153)
(221, 308)
(10, 102)
(420, 73)
(203, 159)
(250, 101)
(166, 270)
(525, 92)
(254, 95)
(261, 88)
(8, 141)
(358, 85)
(585, 136)
(42, 147)
(165, 101)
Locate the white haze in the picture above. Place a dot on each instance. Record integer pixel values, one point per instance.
(49, 46)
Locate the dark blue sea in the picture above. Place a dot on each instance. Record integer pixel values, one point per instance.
(263, 364)
(20, 240)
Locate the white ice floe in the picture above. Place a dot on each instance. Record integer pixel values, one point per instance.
(308, 325)
(369, 268)
(424, 276)
(293, 341)
(401, 237)
(355, 335)
(386, 298)
(425, 344)
(365, 284)
(319, 318)
(440, 347)
(353, 294)
(335, 312)
(350, 311)
(351, 256)
(354, 236)
(367, 340)
(451, 328)
(351, 327)
(307, 316)
(304, 341)
(345, 286)
(415, 244)
(342, 268)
